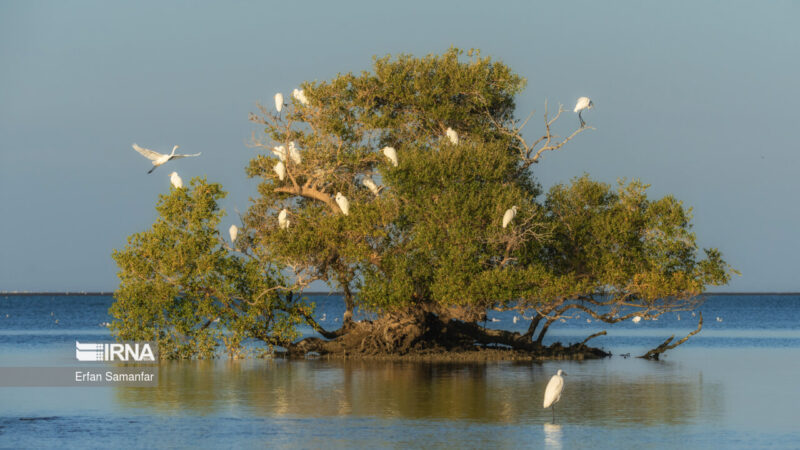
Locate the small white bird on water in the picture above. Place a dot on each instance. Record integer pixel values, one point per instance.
(719, 319)
(280, 170)
(452, 135)
(279, 101)
(283, 222)
(552, 393)
(509, 216)
(175, 179)
(234, 232)
(583, 103)
(636, 319)
(344, 205)
(515, 319)
(390, 154)
(160, 158)
(300, 96)
(370, 184)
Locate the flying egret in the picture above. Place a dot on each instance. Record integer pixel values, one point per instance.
(233, 231)
(280, 170)
(552, 393)
(391, 154)
(160, 158)
(509, 216)
(279, 101)
(583, 103)
(636, 319)
(300, 96)
(452, 135)
(367, 181)
(175, 179)
(294, 153)
(283, 222)
(341, 200)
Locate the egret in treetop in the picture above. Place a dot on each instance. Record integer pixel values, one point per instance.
(452, 135)
(294, 153)
(280, 170)
(160, 158)
(344, 205)
(233, 231)
(300, 96)
(583, 103)
(283, 222)
(391, 155)
(280, 152)
(367, 181)
(552, 393)
(509, 216)
(636, 319)
(279, 101)
(175, 179)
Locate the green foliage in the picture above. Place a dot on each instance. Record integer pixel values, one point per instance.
(181, 286)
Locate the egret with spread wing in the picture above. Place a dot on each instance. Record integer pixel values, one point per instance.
(160, 158)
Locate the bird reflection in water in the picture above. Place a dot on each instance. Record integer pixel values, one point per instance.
(552, 435)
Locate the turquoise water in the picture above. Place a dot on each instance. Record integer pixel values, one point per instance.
(732, 386)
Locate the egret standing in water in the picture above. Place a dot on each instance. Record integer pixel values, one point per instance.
(509, 216)
(175, 179)
(583, 103)
(159, 158)
(552, 394)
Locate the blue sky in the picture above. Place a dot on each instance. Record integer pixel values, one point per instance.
(696, 98)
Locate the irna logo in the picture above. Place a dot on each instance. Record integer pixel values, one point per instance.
(114, 352)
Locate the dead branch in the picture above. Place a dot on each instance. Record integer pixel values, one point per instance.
(599, 333)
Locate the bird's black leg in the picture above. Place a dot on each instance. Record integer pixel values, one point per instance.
(151, 170)
(583, 124)
(554, 413)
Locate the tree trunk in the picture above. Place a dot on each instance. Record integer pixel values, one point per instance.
(544, 330)
(347, 317)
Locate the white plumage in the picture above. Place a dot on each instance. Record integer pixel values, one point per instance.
(390, 154)
(636, 319)
(300, 96)
(280, 152)
(234, 232)
(370, 184)
(583, 103)
(279, 101)
(283, 222)
(294, 153)
(175, 179)
(552, 393)
(160, 158)
(280, 170)
(344, 205)
(452, 135)
(509, 216)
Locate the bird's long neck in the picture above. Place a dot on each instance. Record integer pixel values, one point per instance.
(173, 150)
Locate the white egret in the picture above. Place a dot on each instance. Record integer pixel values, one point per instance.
(719, 319)
(279, 101)
(344, 205)
(160, 158)
(636, 319)
(515, 319)
(280, 170)
(390, 154)
(552, 393)
(280, 152)
(294, 153)
(583, 103)
(300, 96)
(588, 320)
(494, 319)
(175, 179)
(369, 184)
(283, 222)
(509, 216)
(234, 232)
(452, 135)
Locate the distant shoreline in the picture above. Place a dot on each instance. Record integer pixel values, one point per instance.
(341, 293)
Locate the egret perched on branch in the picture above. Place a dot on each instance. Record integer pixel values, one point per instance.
(452, 135)
(294, 153)
(344, 205)
(509, 216)
(280, 169)
(280, 152)
(300, 96)
(367, 181)
(390, 154)
(583, 103)
(552, 394)
(233, 231)
(283, 222)
(160, 158)
(279, 101)
(175, 179)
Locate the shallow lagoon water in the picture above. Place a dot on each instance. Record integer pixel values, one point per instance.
(733, 385)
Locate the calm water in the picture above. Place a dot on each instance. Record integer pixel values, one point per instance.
(732, 386)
